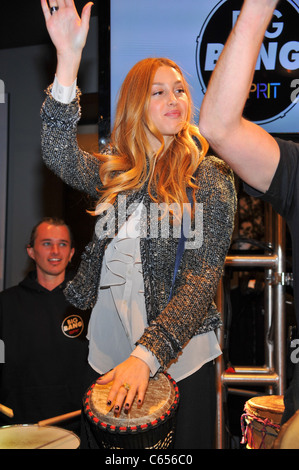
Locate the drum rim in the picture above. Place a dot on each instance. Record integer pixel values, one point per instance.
(47, 427)
(258, 403)
(132, 428)
(35, 425)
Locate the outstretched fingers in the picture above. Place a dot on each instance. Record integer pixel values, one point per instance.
(46, 9)
(47, 6)
(129, 380)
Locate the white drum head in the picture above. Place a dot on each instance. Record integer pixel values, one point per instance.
(33, 436)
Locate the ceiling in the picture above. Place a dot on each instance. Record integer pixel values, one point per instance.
(23, 24)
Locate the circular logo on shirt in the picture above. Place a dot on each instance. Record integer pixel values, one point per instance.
(275, 86)
(72, 326)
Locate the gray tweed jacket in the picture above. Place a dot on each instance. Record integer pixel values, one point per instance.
(191, 309)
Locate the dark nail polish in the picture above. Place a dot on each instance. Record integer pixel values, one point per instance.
(116, 408)
(108, 402)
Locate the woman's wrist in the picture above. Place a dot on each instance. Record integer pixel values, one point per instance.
(67, 68)
(64, 94)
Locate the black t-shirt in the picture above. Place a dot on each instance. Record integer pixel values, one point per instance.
(283, 195)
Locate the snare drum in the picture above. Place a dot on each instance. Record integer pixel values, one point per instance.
(33, 436)
(150, 426)
(261, 421)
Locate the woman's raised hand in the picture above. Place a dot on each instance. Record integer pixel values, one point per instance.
(68, 33)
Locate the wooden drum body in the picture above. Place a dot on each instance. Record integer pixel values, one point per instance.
(150, 426)
(261, 421)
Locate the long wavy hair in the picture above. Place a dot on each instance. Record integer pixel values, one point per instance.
(132, 162)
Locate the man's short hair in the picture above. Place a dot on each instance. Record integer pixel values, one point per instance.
(52, 221)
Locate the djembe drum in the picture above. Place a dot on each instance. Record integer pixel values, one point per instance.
(150, 426)
(261, 421)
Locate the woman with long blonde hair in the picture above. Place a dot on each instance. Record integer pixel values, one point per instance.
(134, 152)
(145, 318)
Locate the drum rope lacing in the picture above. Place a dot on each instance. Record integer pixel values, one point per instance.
(246, 427)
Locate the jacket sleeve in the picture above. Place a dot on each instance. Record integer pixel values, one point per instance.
(60, 150)
(192, 310)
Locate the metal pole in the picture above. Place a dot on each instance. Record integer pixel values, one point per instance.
(269, 344)
(268, 298)
(219, 437)
(251, 378)
(273, 373)
(280, 328)
(262, 261)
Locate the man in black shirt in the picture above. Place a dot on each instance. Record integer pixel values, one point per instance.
(45, 372)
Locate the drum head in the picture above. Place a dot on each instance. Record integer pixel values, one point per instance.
(33, 436)
(149, 426)
(159, 398)
(267, 406)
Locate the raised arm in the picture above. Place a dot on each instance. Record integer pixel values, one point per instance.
(68, 33)
(60, 150)
(250, 151)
